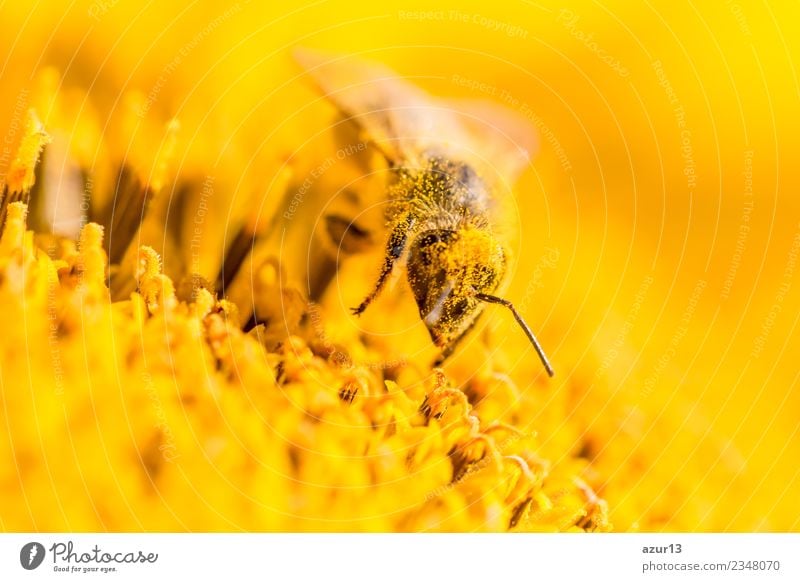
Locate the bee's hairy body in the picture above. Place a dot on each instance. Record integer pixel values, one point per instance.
(440, 202)
(444, 193)
(438, 217)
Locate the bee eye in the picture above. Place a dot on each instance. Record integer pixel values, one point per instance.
(426, 241)
(459, 309)
(435, 236)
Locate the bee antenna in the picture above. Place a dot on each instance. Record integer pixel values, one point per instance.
(522, 324)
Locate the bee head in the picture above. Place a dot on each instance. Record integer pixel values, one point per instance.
(446, 270)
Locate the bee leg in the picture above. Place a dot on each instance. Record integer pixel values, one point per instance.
(394, 250)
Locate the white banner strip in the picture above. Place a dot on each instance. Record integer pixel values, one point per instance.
(401, 557)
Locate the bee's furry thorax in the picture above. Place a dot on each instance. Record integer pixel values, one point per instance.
(444, 193)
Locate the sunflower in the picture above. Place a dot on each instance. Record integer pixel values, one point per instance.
(179, 254)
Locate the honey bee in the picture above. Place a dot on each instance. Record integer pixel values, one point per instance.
(447, 166)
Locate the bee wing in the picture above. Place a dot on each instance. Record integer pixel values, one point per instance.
(505, 140)
(397, 116)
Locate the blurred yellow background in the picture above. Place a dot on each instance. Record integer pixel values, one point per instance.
(661, 218)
